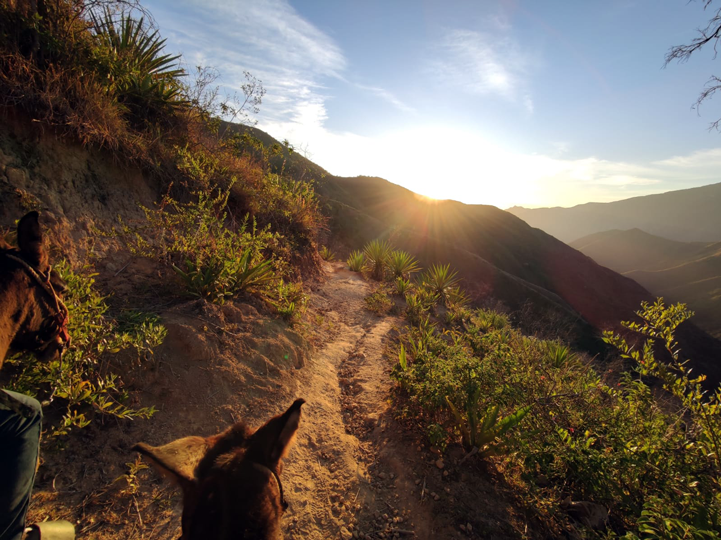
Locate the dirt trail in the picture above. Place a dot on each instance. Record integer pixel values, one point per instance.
(348, 473)
(354, 472)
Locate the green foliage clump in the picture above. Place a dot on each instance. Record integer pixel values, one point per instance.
(326, 254)
(376, 255)
(213, 261)
(403, 286)
(401, 264)
(144, 81)
(356, 261)
(378, 302)
(289, 300)
(86, 384)
(540, 408)
(442, 281)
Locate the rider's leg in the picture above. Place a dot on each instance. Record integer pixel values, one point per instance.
(19, 446)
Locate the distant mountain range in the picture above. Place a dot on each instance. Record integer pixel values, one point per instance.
(498, 256)
(688, 272)
(688, 215)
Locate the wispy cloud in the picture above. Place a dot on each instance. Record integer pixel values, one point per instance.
(483, 63)
(292, 57)
(387, 96)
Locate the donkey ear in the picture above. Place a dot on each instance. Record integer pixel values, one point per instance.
(279, 432)
(30, 239)
(176, 460)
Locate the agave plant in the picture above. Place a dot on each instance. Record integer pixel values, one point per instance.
(139, 75)
(377, 253)
(482, 435)
(402, 264)
(326, 254)
(559, 355)
(356, 261)
(440, 279)
(402, 286)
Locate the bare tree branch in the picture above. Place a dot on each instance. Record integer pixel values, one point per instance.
(681, 53)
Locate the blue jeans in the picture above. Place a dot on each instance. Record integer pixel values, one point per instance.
(19, 447)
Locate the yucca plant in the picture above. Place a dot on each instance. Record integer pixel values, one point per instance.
(356, 261)
(246, 274)
(457, 298)
(326, 254)
(143, 79)
(559, 355)
(482, 434)
(402, 286)
(377, 253)
(402, 264)
(440, 279)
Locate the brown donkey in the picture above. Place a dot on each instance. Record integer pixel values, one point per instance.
(33, 317)
(231, 481)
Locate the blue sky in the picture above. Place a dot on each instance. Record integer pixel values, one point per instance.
(532, 103)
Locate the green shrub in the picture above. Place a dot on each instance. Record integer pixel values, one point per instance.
(546, 413)
(378, 302)
(376, 255)
(401, 264)
(356, 261)
(211, 260)
(86, 384)
(289, 300)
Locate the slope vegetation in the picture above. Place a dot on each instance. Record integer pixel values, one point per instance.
(688, 215)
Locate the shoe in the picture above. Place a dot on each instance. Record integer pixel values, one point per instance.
(50, 530)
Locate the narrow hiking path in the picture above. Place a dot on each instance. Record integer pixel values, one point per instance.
(346, 476)
(356, 472)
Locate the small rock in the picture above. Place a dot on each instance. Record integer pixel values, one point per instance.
(17, 177)
(392, 476)
(440, 464)
(469, 527)
(418, 482)
(463, 527)
(382, 475)
(445, 473)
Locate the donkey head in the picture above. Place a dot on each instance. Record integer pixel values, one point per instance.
(231, 481)
(32, 316)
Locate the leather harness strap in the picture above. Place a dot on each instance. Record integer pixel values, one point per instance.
(62, 314)
(283, 502)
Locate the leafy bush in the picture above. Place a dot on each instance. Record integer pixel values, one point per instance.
(376, 255)
(86, 383)
(378, 302)
(540, 408)
(212, 260)
(401, 264)
(356, 261)
(289, 300)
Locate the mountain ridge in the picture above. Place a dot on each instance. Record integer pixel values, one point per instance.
(685, 215)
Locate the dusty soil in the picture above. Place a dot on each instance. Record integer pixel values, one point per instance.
(355, 471)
